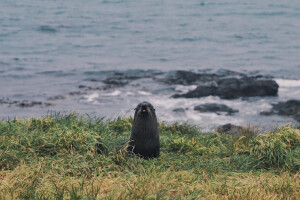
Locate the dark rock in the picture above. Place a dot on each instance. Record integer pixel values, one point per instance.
(58, 97)
(227, 73)
(48, 104)
(230, 129)
(297, 117)
(116, 81)
(121, 78)
(216, 108)
(180, 110)
(200, 91)
(47, 29)
(237, 130)
(91, 88)
(77, 93)
(266, 113)
(27, 104)
(24, 103)
(8, 101)
(289, 108)
(232, 88)
(93, 80)
(187, 78)
(181, 77)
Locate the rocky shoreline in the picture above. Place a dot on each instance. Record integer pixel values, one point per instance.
(225, 84)
(288, 108)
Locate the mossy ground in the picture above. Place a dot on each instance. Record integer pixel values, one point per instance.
(75, 157)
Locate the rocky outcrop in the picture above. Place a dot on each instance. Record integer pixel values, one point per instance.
(195, 78)
(230, 129)
(238, 130)
(24, 103)
(226, 84)
(216, 108)
(232, 88)
(180, 110)
(181, 77)
(288, 108)
(57, 97)
(121, 78)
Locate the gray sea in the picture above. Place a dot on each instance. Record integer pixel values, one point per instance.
(48, 49)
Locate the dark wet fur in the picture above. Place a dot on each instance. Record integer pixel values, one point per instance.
(144, 139)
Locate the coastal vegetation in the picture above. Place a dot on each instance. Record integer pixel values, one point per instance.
(81, 157)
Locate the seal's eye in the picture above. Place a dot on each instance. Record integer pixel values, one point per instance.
(138, 107)
(151, 107)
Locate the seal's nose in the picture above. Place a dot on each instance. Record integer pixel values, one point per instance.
(144, 107)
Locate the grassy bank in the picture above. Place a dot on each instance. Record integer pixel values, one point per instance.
(74, 157)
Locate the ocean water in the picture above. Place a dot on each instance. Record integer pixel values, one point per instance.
(50, 48)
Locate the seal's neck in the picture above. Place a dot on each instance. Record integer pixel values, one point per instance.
(144, 126)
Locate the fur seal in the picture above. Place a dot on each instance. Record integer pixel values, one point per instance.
(144, 139)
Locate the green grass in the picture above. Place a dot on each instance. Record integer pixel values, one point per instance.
(75, 157)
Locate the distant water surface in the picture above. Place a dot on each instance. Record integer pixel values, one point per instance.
(49, 48)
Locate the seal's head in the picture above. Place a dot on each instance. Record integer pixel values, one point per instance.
(144, 109)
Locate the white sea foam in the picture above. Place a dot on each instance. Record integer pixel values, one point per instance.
(92, 97)
(288, 89)
(111, 94)
(144, 93)
(288, 83)
(185, 88)
(248, 111)
(129, 93)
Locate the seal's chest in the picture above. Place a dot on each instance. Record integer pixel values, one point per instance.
(146, 149)
(147, 144)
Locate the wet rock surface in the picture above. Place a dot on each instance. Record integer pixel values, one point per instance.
(121, 78)
(58, 97)
(237, 130)
(226, 84)
(232, 88)
(46, 29)
(27, 104)
(186, 78)
(24, 103)
(180, 110)
(103, 86)
(77, 93)
(216, 108)
(288, 108)
(229, 129)
(194, 78)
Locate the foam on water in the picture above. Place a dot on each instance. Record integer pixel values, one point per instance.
(92, 97)
(122, 101)
(288, 89)
(185, 88)
(288, 83)
(111, 94)
(144, 93)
